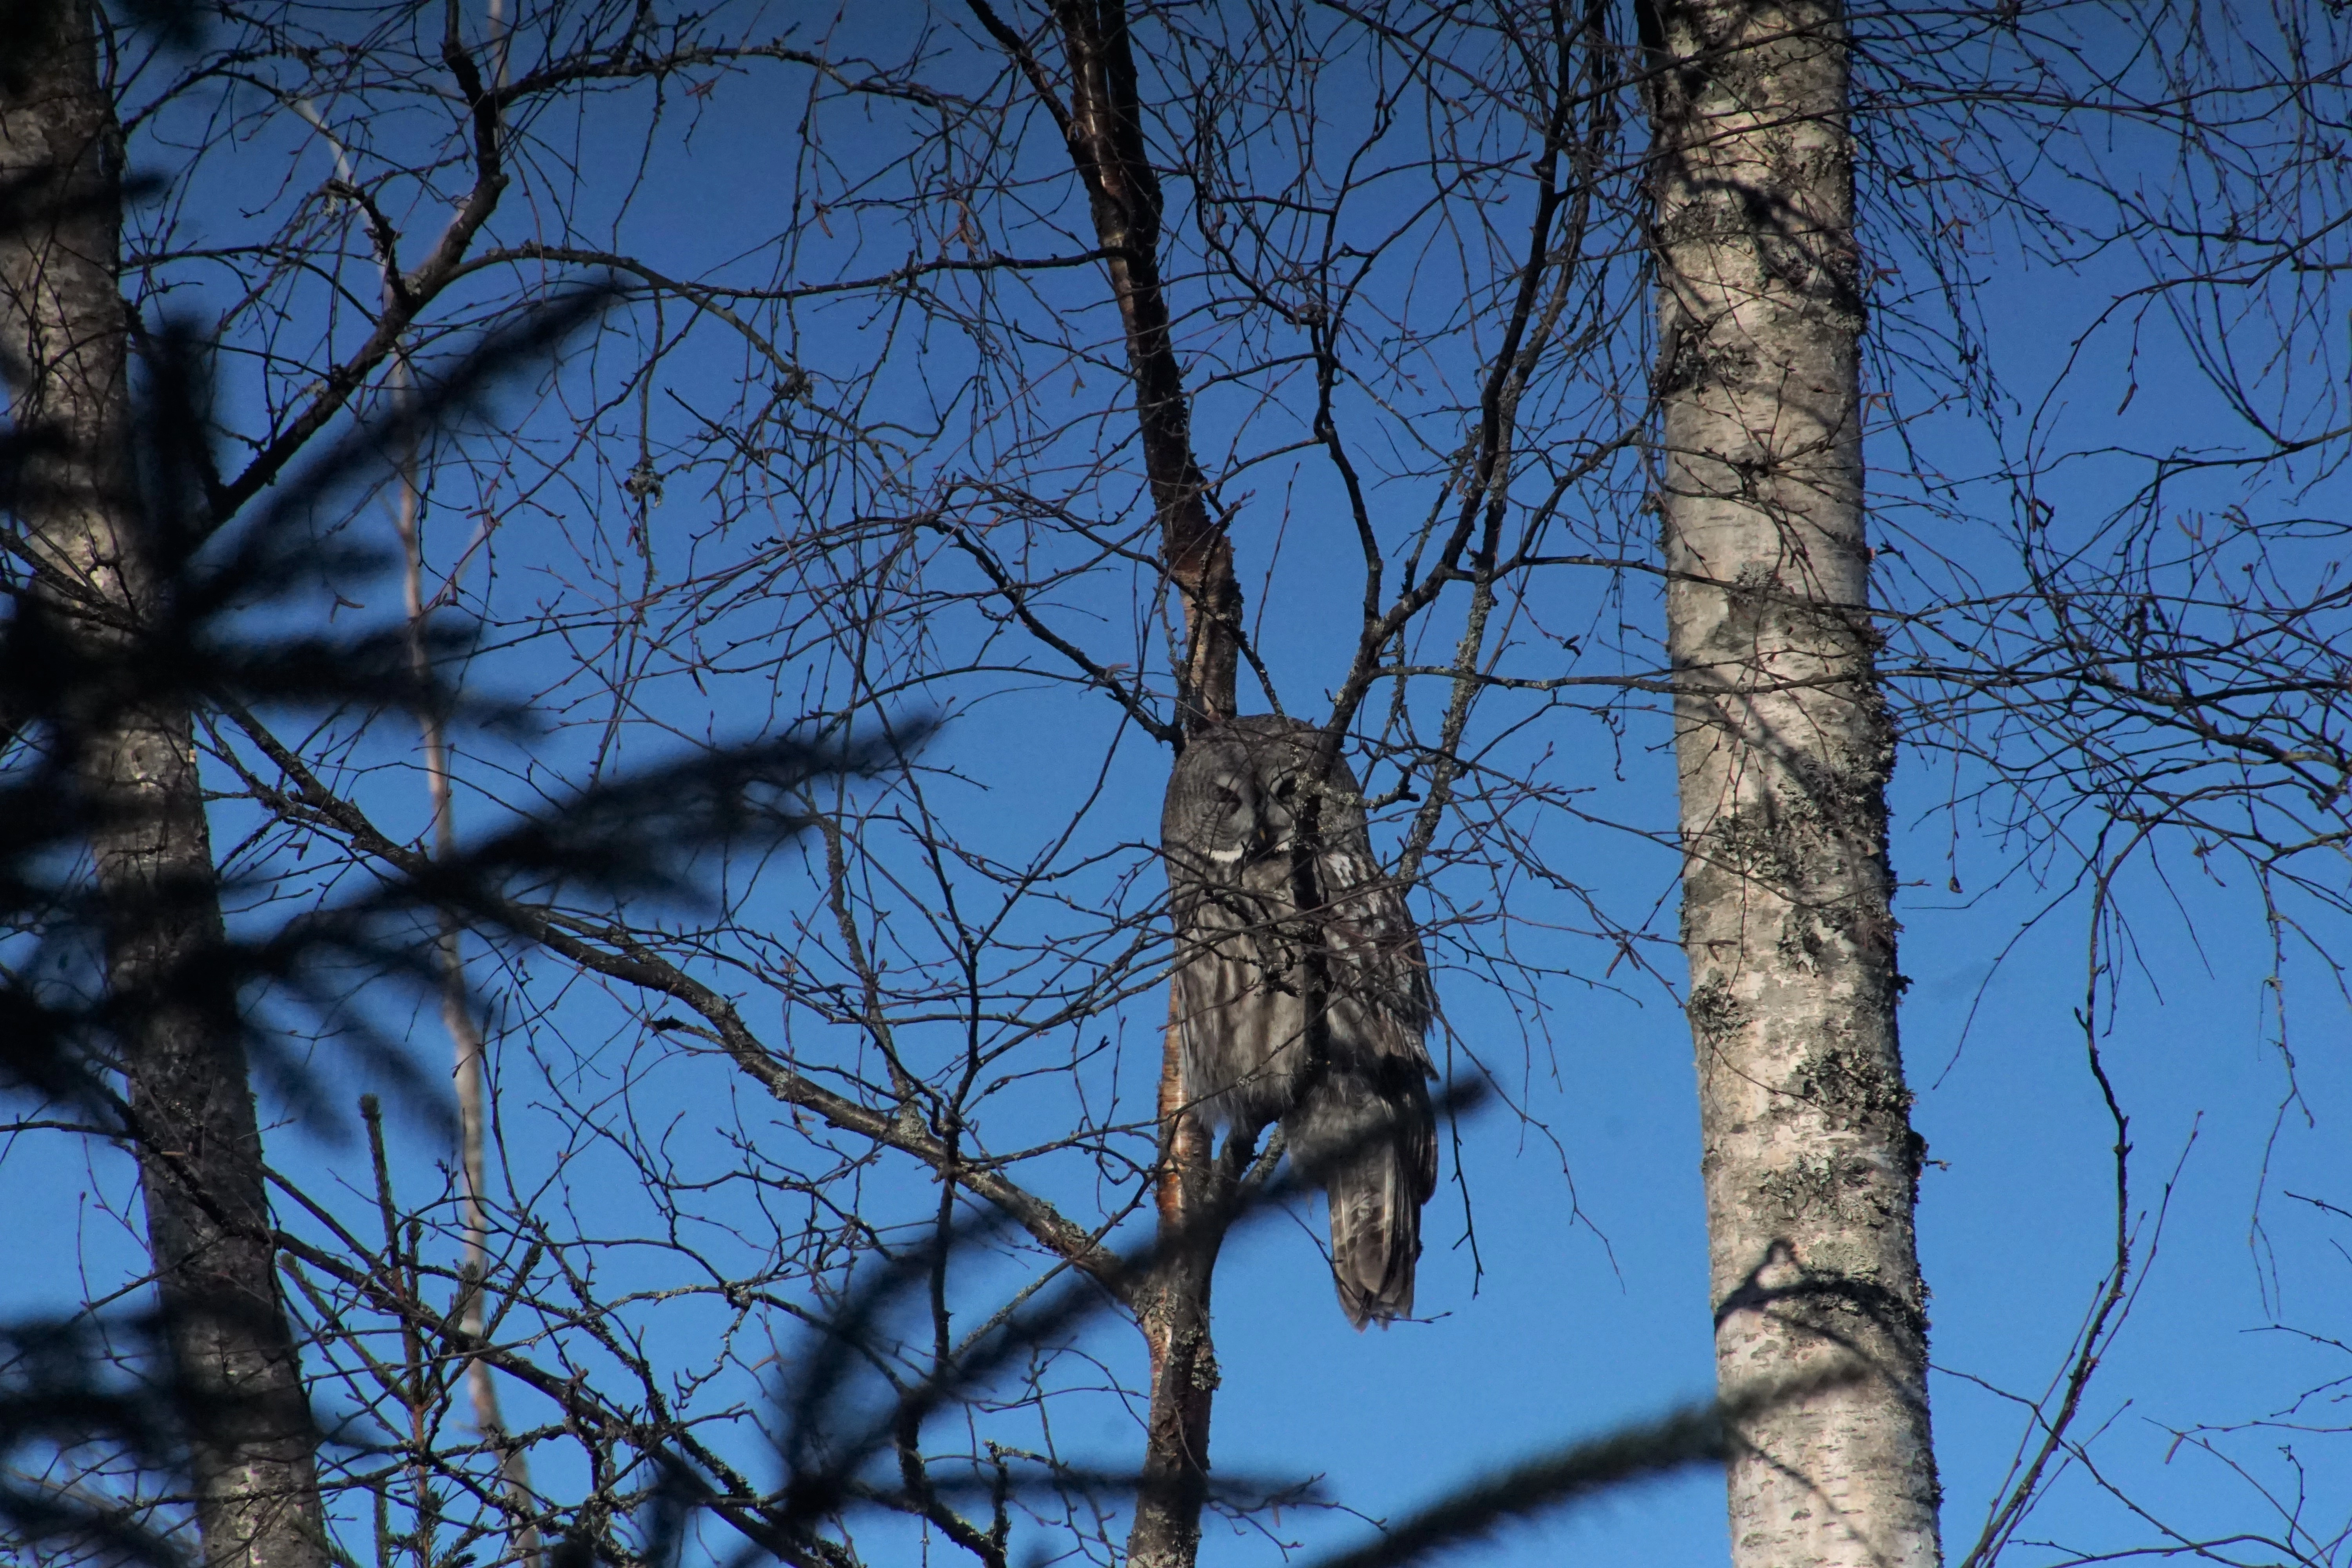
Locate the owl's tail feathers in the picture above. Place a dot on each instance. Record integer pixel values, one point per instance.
(1375, 1236)
(1374, 1154)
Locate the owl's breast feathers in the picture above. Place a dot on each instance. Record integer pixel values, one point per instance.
(1352, 1094)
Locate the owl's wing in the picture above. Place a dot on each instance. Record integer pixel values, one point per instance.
(1365, 1128)
(1374, 1150)
(1385, 1002)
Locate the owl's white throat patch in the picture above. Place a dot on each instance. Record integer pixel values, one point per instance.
(1227, 856)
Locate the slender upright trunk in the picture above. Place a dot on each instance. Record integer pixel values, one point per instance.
(64, 351)
(1174, 1309)
(470, 1074)
(1101, 124)
(1784, 752)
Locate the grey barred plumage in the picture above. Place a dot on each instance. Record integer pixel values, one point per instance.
(1273, 936)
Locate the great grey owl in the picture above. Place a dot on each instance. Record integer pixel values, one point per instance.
(1262, 926)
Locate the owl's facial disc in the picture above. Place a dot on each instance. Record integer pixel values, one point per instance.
(1275, 832)
(1233, 819)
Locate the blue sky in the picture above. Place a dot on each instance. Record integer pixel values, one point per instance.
(1591, 1307)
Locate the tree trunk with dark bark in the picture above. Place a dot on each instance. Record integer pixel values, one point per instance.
(64, 350)
(1100, 118)
(1784, 752)
(1173, 1308)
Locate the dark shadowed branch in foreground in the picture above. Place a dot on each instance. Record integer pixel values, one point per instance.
(98, 1410)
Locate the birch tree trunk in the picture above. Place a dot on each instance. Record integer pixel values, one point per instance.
(1784, 752)
(64, 342)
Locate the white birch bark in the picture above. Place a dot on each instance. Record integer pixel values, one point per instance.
(1784, 752)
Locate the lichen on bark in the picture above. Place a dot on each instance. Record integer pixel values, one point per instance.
(1784, 752)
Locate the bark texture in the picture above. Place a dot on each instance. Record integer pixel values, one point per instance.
(64, 342)
(1104, 128)
(1173, 1306)
(1784, 752)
